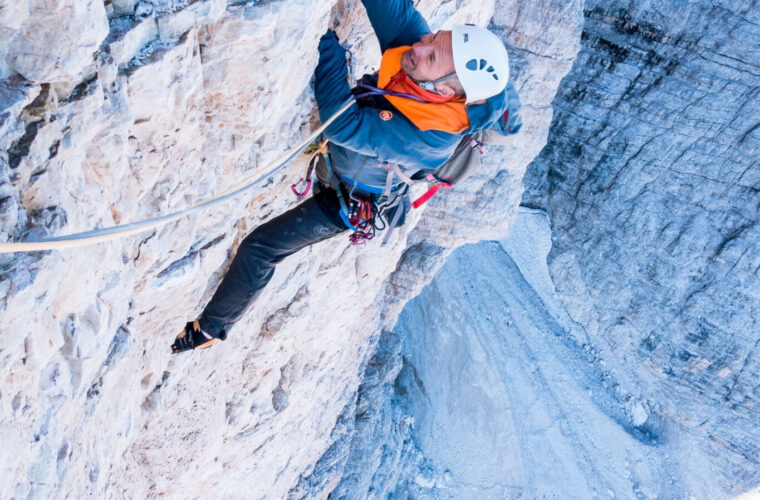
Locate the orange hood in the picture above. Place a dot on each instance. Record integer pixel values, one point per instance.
(438, 113)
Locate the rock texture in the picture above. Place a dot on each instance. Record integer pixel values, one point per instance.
(651, 176)
(506, 403)
(543, 40)
(118, 111)
(646, 353)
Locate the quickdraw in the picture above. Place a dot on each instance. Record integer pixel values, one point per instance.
(316, 150)
(360, 213)
(361, 216)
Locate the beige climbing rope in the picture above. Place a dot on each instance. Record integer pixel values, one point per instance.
(123, 230)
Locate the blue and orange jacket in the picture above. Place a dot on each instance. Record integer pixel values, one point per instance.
(366, 137)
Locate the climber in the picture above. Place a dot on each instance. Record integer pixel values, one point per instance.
(430, 90)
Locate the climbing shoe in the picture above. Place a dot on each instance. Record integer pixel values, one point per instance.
(192, 337)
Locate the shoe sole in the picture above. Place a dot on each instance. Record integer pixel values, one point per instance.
(207, 344)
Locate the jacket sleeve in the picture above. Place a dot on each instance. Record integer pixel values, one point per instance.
(396, 22)
(513, 120)
(361, 129)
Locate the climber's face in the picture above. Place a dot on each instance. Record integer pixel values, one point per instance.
(430, 58)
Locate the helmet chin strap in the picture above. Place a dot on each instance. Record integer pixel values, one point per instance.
(430, 85)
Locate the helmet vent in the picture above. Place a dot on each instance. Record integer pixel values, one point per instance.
(480, 60)
(477, 65)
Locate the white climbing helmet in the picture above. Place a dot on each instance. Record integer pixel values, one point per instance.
(480, 60)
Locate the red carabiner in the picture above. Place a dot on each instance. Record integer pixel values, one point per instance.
(305, 191)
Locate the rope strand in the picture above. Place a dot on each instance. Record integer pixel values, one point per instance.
(123, 230)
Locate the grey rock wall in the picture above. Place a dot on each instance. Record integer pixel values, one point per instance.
(507, 404)
(652, 177)
(543, 39)
(117, 111)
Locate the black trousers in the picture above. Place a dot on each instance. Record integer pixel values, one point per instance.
(312, 221)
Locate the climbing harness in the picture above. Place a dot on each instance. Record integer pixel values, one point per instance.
(358, 213)
(359, 210)
(363, 211)
(119, 231)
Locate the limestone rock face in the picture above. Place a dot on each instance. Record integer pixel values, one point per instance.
(639, 342)
(383, 458)
(651, 176)
(53, 40)
(118, 111)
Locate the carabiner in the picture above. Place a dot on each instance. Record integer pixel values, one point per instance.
(303, 193)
